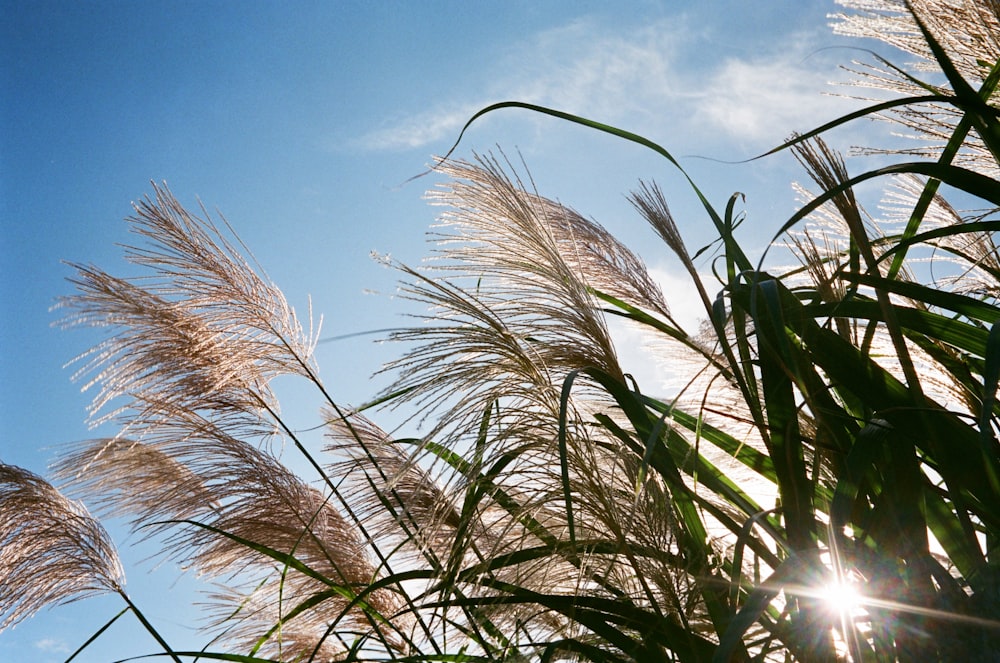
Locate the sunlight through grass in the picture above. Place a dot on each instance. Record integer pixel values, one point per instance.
(842, 598)
(554, 508)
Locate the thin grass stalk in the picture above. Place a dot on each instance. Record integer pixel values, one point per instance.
(406, 520)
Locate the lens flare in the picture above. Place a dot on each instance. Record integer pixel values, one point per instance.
(841, 597)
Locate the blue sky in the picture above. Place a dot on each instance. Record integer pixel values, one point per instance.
(302, 122)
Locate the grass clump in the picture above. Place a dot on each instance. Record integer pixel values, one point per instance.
(835, 435)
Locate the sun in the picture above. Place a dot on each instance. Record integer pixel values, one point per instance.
(841, 597)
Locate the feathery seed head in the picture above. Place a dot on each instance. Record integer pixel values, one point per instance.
(510, 314)
(650, 202)
(200, 330)
(51, 550)
(968, 31)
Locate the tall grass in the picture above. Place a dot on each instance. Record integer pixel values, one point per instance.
(835, 434)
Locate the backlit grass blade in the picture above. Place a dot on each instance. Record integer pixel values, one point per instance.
(948, 153)
(792, 570)
(970, 307)
(969, 181)
(745, 454)
(983, 116)
(987, 434)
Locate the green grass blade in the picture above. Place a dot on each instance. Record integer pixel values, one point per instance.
(745, 454)
(971, 182)
(991, 377)
(866, 112)
(788, 573)
(564, 395)
(982, 115)
(778, 371)
(97, 634)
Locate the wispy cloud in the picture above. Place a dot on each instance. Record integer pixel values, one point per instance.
(419, 130)
(653, 79)
(52, 646)
(581, 68)
(763, 100)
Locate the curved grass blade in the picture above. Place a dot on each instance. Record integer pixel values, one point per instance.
(899, 243)
(745, 454)
(734, 249)
(567, 387)
(855, 115)
(608, 617)
(967, 337)
(742, 539)
(966, 180)
(982, 115)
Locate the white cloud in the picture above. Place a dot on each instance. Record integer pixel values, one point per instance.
(52, 646)
(640, 352)
(420, 130)
(578, 68)
(764, 100)
(588, 71)
(682, 297)
(653, 80)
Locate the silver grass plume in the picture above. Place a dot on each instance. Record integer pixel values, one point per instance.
(510, 316)
(410, 506)
(201, 329)
(512, 313)
(826, 167)
(396, 499)
(414, 509)
(601, 260)
(650, 202)
(195, 341)
(51, 550)
(966, 262)
(304, 637)
(968, 30)
(197, 473)
(127, 478)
